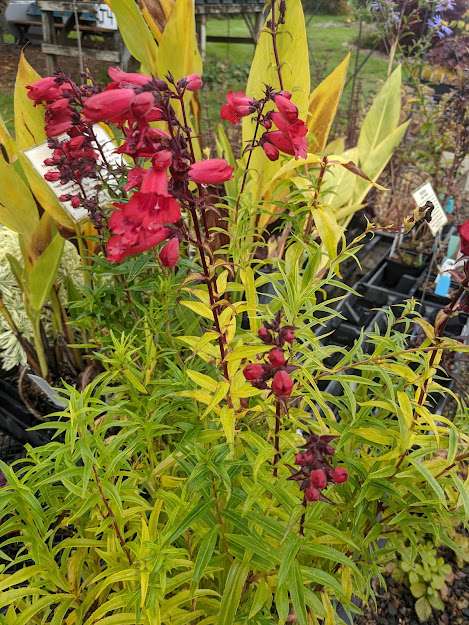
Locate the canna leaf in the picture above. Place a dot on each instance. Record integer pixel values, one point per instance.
(293, 51)
(136, 34)
(18, 210)
(29, 119)
(323, 104)
(383, 116)
(184, 58)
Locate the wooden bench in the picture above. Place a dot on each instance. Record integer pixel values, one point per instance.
(55, 35)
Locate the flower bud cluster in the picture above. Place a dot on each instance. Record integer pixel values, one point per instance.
(275, 366)
(289, 136)
(315, 467)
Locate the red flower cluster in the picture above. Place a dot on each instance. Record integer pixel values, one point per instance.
(163, 161)
(276, 368)
(291, 133)
(58, 94)
(290, 137)
(315, 470)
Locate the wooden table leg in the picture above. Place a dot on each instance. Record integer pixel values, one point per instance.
(48, 36)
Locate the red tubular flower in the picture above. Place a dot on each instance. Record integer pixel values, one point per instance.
(127, 78)
(110, 106)
(276, 357)
(58, 122)
(154, 181)
(286, 108)
(44, 90)
(134, 178)
(253, 372)
(142, 104)
(211, 171)
(193, 82)
(271, 151)
(463, 231)
(282, 384)
(169, 254)
(339, 475)
(293, 142)
(237, 105)
(318, 478)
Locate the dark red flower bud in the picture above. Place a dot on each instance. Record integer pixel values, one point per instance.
(265, 335)
(65, 198)
(304, 458)
(312, 494)
(49, 162)
(282, 384)
(52, 176)
(169, 255)
(339, 475)
(287, 334)
(329, 450)
(318, 478)
(253, 372)
(75, 201)
(276, 357)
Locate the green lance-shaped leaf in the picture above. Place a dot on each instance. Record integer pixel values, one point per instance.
(43, 273)
(204, 554)
(232, 593)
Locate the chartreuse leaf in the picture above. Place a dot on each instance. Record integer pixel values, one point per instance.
(463, 489)
(7, 144)
(136, 34)
(39, 605)
(323, 104)
(293, 52)
(297, 594)
(329, 610)
(328, 229)
(204, 554)
(430, 478)
(18, 210)
(42, 274)
(383, 116)
(184, 58)
(247, 278)
(29, 119)
(262, 597)
(232, 593)
(375, 161)
(200, 309)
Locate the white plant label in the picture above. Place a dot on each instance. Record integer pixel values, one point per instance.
(39, 153)
(426, 193)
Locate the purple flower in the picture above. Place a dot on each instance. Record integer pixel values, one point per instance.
(445, 5)
(440, 27)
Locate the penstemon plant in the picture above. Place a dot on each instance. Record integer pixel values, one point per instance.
(206, 474)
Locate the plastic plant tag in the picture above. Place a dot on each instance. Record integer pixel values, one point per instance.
(443, 280)
(426, 193)
(39, 153)
(453, 246)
